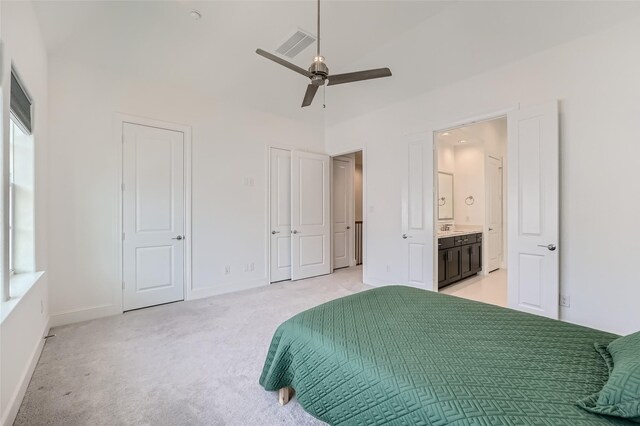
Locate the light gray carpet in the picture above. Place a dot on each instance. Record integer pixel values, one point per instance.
(195, 363)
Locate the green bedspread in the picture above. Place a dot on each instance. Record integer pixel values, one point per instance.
(402, 356)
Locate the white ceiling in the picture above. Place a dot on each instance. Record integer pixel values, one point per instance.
(159, 42)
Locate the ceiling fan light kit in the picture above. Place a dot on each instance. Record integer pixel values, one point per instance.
(318, 72)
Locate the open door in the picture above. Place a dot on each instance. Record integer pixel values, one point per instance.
(417, 216)
(342, 202)
(493, 191)
(310, 215)
(533, 210)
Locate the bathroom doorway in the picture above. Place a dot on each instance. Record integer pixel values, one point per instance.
(471, 222)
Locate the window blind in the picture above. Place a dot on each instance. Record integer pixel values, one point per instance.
(20, 105)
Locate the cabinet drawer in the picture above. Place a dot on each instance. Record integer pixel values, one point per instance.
(445, 243)
(465, 239)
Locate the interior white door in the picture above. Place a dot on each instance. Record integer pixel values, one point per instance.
(417, 221)
(153, 216)
(533, 210)
(280, 233)
(310, 215)
(494, 213)
(342, 212)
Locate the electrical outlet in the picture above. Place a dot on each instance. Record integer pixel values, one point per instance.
(227, 269)
(565, 300)
(251, 267)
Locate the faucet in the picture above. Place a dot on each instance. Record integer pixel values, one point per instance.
(446, 227)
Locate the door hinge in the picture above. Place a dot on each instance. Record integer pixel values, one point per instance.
(123, 236)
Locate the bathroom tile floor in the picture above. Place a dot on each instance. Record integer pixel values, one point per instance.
(491, 288)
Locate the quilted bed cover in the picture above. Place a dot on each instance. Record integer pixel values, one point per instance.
(403, 356)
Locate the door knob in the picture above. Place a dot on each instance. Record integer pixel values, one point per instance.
(179, 237)
(550, 247)
(490, 229)
(295, 231)
(275, 232)
(405, 236)
(348, 227)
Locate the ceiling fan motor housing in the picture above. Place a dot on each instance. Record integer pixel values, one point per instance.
(319, 68)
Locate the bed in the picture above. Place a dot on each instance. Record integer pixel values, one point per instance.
(403, 356)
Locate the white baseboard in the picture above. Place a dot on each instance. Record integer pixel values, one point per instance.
(84, 314)
(16, 398)
(202, 292)
(99, 311)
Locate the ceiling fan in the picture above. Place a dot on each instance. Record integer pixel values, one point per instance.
(319, 72)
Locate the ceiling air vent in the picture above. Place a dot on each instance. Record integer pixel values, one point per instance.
(295, 44)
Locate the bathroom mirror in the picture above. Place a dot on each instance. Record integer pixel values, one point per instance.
(445, 196)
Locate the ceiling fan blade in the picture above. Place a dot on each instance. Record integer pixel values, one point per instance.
(284, 63)
(351, 77)
(309, 94)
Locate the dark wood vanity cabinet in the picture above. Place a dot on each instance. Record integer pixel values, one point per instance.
(459, 257)
(454, 265)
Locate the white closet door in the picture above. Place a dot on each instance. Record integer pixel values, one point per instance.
(417, 216)
(310, 215)
(153, 216)
(342, 212)
(533, 210)
(494, 210)
(280, 232)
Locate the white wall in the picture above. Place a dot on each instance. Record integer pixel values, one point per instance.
(596, 80)
(469, 181)
(229, 219)
(25, 324)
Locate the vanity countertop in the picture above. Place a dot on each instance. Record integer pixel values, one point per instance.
(458, 232)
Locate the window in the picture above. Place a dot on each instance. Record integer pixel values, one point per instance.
(12, 202)
(17, 138)
(21, 181)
